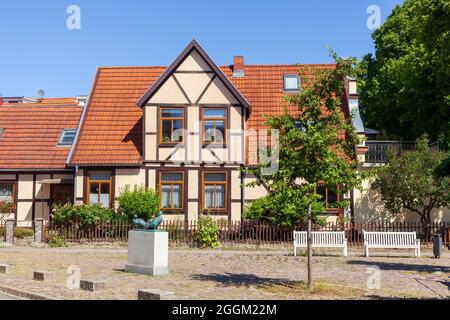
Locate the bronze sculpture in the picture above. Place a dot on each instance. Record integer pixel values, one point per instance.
(153, 224)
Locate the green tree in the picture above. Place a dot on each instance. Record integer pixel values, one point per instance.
(409, 181)
(405, 86)
(139, 201)
(316, 145)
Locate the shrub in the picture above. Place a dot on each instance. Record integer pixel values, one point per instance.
(81, 216)
(6, 207)
(55, 240)
(21, 233)
(207, 233)
(139, 201)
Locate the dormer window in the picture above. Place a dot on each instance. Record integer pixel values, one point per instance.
(67, 137)
(291, 82)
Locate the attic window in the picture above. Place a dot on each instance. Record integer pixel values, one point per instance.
(67, 137)
(291, 82)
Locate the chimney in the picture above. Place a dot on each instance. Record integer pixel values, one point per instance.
(238, 66)
(81, 100)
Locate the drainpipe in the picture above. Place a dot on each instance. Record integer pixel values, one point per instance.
(75, 185)
(242, 192)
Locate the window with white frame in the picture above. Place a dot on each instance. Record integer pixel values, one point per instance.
(67, 137)
(291, 82)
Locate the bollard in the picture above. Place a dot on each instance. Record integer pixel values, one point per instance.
(10, 222)
(38, 230)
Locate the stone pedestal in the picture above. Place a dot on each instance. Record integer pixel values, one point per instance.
(148, 252)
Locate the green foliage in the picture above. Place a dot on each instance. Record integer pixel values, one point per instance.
(81, 216)
(405, 87)
(21, 233)
(443, 169)
(285, 208)
(6, 207)
(207, 233)
(56, 240)
(409, 181)
(311, 154)
(138, 201)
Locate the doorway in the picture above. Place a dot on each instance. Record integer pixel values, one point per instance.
(61, 194)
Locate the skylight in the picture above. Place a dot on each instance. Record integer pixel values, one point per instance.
(67, 137)
(1, 132)
(291, 82)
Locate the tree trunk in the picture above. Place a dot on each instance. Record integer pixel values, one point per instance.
(426, 223)
(309, 239)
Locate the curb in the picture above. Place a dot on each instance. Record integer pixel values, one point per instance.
(25, 294)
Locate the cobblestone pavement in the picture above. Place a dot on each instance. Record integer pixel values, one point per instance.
(229, 274)
(4, 296)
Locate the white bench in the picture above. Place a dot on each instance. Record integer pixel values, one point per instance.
(321, 239)
(401, 240)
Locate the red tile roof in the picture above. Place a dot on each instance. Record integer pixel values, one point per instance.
(31, 135)
(47, 102)
(112, 130)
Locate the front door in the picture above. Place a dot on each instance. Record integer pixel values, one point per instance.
(61, 193)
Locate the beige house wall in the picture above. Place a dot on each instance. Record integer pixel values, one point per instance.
(369, 207)
(79, 185)
(129, 176)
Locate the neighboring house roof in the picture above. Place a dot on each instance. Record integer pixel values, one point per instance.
(45, 101)
(31, 134)
(371, 132)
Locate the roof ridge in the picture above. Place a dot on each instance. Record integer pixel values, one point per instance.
(131, 67)
(36, 105)
(272, 65)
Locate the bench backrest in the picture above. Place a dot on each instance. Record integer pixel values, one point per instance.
(389, 238)
(320, 237)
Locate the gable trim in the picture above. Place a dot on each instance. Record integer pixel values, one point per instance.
(178, 61)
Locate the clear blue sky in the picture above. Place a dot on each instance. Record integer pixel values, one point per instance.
(39, 52)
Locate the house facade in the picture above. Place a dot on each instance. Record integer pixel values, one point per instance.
(185, 130)
(35, 140)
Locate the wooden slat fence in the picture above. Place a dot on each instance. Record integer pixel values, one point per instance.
(246, 232)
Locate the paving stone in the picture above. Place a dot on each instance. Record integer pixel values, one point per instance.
(154, 294)
(5, 268)
(224, 274)
(43, 275)
(92, 285)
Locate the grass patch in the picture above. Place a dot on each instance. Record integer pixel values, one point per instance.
(22, 233)
(298, 290)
